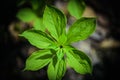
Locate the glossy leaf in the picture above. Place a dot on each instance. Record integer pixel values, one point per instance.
(76, 8)
(60, 69)
(79, 61)
(83, 57)
(56, 69)
(62, 39)
(55, 21)
(38, 60)
(81, 29)
(51, 72)
(38, 39)
(26, 15)
(60, 54)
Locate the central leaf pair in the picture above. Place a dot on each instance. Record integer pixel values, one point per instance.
(55, 44)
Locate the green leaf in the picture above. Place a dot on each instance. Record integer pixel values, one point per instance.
(26, 15)
(76, 8)
(81, 29)
(55, 21)
(60, 69)
(62, 39)
(56, 69)
(38, 60)
(60, 54)
(79, 61)
(38, 24)
(83, 56)
(38, 39)
(51, 72)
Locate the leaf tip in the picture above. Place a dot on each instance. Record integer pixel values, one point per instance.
(20, 35)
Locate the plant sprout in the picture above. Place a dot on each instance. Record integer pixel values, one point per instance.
(54, 43)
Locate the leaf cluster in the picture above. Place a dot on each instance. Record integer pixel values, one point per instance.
(55, 46)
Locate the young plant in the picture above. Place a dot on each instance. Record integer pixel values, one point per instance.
(55, 46)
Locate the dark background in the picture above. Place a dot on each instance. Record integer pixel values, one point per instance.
(13, 53)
